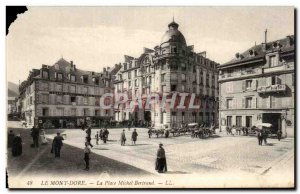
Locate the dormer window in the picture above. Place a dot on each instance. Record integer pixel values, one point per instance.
(59, 76)
(84, 79)
(173, 49)
(72, 78)
(45, 74)
(96, 80)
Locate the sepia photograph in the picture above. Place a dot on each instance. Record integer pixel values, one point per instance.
(150, 97)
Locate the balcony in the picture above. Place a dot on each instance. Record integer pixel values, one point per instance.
(271, 88)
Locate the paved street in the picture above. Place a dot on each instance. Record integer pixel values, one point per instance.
(213, 158)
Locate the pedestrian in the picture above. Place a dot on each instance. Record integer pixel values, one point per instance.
(17, 146)
(56, 145)
(87, 151)
(134, 136)
(259, 137)
(97, 138)
(35, 134)
(264, 135)
(161, 162)
(105, 135)
(10, 138)
(167, 133)
(149, 132)
(43, 139)
(123, 138)
(101, 134)
(279, 134)
(88, 135)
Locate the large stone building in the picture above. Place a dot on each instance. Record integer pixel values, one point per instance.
(61, 95)
(170, 67)
(257, 86)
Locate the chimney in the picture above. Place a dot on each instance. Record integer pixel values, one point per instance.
(74, 67)
(266, 33)
(71, 63)
(290, 40)
(104, 69)
(264, 46)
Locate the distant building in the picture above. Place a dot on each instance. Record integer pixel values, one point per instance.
(61, 95)
(170, 67)
(258, 86)
(11, 105)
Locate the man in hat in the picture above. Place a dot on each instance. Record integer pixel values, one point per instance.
(87, 151)
(123, 138)
(134, 136)
(56, 145)
(161, 162)
(35, 134)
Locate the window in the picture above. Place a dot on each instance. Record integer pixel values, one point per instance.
(59, 76)
(135, 73)
(85, 100)
(72, 89)
(238, 121)
(59, 87)
(45, 98)
(173, 88)
(248, 102)
(129, 84)
(293, 79)
(73, 78)
(73, 99)
(30, 100)
(129, 75)
(73, 111)
(163, 88)
(173, 49)
(136, 83)
(273, 61)
(85, 79)
(173, 77)
(248, 84)
(86, 112)
(183, 88)
(45, 112)
(173, 117)
(163, 77)
(59, 99)
(183, 77)
(85, 90)
(97, 112)
(273, 102)
(59, 111)
(125, 66)
(229, 103)
(183, 66)
(96, 80)
(45, 75)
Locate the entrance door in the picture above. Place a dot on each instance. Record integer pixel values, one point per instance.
(147, 116)
(229, 121)
(248, 121)
(274, 119)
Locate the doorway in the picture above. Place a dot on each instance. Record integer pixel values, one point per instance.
(274, 119)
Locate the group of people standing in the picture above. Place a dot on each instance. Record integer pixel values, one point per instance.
(134, 136)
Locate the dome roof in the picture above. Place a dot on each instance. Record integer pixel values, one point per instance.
(173, 34)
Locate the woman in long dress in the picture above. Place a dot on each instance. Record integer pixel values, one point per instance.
(43, 139)
(17, 146)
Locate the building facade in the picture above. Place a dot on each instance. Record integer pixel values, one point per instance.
(61, 95)
(257, 86)
(171, 67)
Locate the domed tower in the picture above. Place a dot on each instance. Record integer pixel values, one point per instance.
(171, 64)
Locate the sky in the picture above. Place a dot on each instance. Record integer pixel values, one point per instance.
(97, 37)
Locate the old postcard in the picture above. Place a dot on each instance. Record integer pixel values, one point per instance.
(150, 97)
